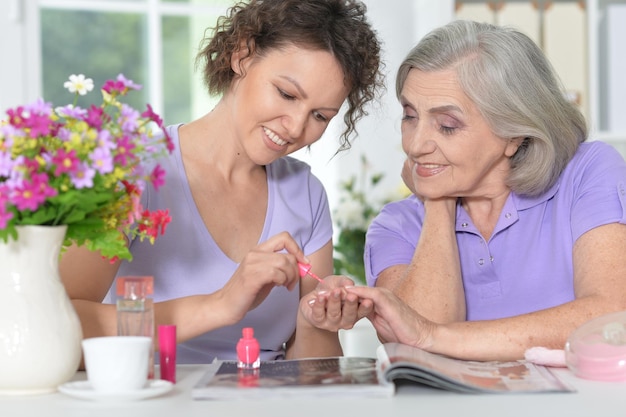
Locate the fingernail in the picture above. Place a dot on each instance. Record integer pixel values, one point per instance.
(311, 302)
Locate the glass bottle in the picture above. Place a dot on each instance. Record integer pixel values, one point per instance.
(248, 350)
(135, 312)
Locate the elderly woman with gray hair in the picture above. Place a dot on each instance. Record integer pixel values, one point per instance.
(515, 234)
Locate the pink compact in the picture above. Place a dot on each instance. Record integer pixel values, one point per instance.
(597, 349)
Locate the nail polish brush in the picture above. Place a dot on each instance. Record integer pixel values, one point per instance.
(306, 270)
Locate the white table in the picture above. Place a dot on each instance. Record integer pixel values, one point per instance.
(593, 399)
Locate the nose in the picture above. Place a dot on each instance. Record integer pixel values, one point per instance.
(417, 140)
(295, 123)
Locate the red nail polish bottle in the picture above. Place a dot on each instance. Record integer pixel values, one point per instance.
(248, 350)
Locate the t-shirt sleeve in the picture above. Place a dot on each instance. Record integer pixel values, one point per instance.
(392, 237)
(298, 204)
(599, 190)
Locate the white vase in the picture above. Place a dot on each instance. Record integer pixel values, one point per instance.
(40, 332)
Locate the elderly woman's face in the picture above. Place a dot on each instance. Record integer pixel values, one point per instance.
(451, 149)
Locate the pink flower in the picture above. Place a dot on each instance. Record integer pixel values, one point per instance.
(124, 151)
(169, 144)
(32, 193)
(150, 114)
(16, 117)
(112, 86)
(65, 161)
(157, 178)
(95, 117)
(5, 216)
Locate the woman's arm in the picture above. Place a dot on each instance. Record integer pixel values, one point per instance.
(87, 278)
(600, 288)
(432, 283)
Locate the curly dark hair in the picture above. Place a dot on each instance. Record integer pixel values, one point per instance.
(337, 26)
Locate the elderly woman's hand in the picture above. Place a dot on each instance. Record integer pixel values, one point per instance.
(394, 320)
(331, 307)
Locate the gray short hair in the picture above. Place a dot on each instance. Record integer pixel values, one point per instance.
(516, 90)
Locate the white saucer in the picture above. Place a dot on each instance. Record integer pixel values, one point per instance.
(83, 390)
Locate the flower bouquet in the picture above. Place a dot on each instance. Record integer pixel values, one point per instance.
(84, 168)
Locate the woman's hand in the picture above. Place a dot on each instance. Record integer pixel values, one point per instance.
(394, 320)
(270, 264)
(330, 307)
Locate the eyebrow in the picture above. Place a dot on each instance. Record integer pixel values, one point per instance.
(445, 109)
(441, 109)
(298, 87)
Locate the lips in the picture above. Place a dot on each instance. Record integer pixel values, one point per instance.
(274, 137)
(428, 170)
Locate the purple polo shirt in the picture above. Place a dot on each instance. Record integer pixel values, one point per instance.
(526, 265)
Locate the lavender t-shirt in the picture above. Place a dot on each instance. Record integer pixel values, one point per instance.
(527, 263)
(187, 261)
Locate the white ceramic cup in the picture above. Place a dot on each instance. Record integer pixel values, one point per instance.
(116, 364)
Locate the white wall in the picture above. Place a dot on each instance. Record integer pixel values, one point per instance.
(19, 78)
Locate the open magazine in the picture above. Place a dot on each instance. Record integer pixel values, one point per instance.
(368, 377)
(338, 376)
(406, 364)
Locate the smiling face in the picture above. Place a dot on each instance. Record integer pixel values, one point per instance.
(285, 100)
(452, 151)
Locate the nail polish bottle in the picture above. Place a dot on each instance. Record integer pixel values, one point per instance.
(248, 350)
(135, 313)
(167, 352)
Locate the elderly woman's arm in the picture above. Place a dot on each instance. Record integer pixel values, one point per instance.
(600, 288)
(432, 283)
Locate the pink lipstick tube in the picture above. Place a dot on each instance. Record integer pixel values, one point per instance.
(167, 352)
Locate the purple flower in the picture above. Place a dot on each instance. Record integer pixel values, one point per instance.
(128, 83)
(83, 176)
(105, 140)
(64, 134)
(102, 160)
(128, 119)
(70, 111)
(6, 164)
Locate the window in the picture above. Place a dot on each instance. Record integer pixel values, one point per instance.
(152, 42)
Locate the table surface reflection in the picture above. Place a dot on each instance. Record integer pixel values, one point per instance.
(591, 399)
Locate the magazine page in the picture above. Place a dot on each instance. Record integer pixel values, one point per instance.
(400, 362)
(338, 376)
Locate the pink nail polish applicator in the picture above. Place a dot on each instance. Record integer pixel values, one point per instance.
(306, 270)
